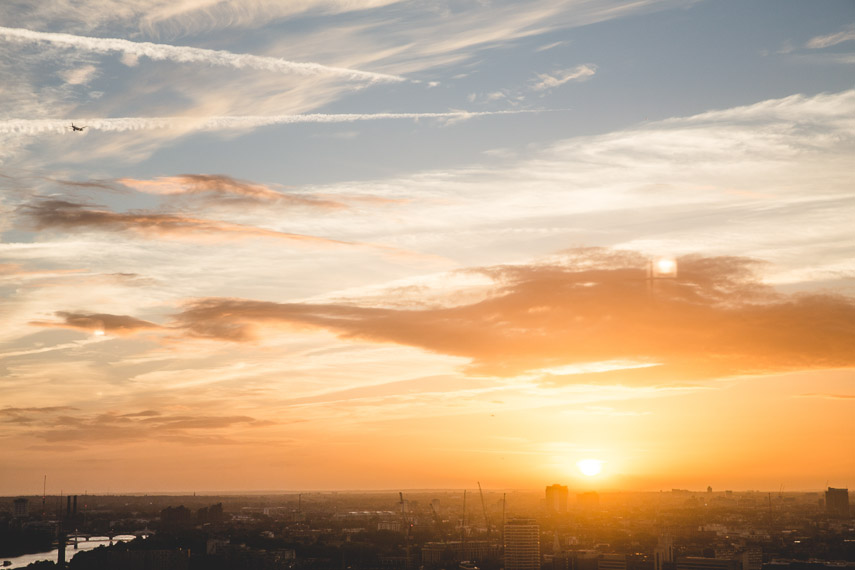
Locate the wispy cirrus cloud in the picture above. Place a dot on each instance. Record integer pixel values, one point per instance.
(820, 42)
(30, 415)
(546, 81)
(15, 270)
(171, 16)
(225, 189)
(830, 396)
(187, 54)
(105, 427)
(39, 126)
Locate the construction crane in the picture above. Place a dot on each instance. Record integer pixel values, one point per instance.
(484, 508)
(463, 522)
(438, 520)
(406, 522)
(504, 499)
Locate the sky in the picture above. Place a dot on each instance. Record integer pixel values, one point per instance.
(397, 244)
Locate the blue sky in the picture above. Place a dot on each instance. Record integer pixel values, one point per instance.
(335, 212)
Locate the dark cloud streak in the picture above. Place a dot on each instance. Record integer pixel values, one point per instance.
(67, 215)
(148, 424)
(91, 322)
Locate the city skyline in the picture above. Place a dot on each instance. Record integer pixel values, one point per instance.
(383, 244)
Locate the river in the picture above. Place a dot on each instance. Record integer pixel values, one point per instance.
(82, 545)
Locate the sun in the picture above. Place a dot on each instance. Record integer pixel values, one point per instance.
(590, 467)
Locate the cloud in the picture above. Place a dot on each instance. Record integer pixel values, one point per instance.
(715, 320)
(95, 184)
(225, 189)
(171, 17)
(39, 126)
(80, 75)
(14, 270)
(148, 424)
(186, 54)
(43, 409)
(66, 215)
(550, 46)
(110, 324)
(830, 396)
(29, 416)
(821, 42)
(579, 73)
(437, 35)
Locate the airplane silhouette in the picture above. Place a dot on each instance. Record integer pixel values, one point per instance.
(73, 128)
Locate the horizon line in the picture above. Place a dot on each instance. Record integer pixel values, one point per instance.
(238, 493)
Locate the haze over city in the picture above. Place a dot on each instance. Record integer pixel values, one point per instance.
(391, 244)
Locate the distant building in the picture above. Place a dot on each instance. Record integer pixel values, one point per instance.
(612, 562)
(780, 564)
(174, 517)
(698, 563)
(576, 560)
(394, 526)
(109, 559)
(837, 502)
(556, 498)
(522, 545)
(21, 507)
(212, 514)
(589, 500)
(752, 558)
(233, 556)
(664, 552)
(439, 553)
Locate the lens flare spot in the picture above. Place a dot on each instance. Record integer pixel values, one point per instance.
(665, 267)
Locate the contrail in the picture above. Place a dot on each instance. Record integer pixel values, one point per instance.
(39, 126)
(186, 54)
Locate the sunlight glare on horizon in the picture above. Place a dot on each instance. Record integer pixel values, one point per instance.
(590, 467)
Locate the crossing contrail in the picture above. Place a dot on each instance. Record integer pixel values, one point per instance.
(186, 54)
(120, 124)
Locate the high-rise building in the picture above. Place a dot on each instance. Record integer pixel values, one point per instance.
(21, 507)
(556, 498)
(752, 558)
(664, 552)
(522, 545)
(837, 502)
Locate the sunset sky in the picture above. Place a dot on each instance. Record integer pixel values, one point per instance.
(383, 244)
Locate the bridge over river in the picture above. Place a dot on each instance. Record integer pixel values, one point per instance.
(77, 542)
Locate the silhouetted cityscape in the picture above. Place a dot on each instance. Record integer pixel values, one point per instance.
(431, 530)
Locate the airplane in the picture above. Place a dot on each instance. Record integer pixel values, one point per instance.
(73, 128)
